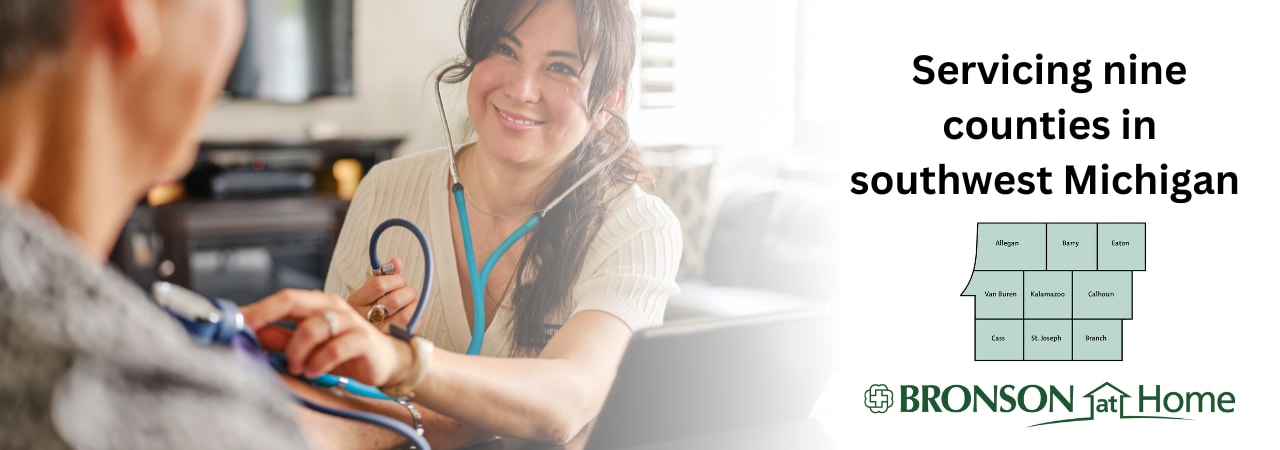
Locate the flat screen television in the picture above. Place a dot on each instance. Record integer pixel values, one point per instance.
(294, 51)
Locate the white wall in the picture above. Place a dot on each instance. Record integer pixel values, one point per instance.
(398, 44)
(735, 78)
(739, 57)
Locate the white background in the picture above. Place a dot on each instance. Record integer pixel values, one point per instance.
(1204, 313)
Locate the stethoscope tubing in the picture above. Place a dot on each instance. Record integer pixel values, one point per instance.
(356, 387)
(480, 278)
(376, 419)
(428, 273)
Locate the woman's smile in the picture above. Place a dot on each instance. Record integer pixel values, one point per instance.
(515, 122)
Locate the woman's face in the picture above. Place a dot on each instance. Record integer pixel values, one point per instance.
(171, 90)
(528, 99)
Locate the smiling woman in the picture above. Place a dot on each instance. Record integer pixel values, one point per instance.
(546, 79)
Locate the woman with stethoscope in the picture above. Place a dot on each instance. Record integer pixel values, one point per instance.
(549, 185)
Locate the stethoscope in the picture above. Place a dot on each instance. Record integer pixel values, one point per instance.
(480, 276)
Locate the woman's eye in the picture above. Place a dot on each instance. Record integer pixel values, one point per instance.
(506, 50)
(563, 68)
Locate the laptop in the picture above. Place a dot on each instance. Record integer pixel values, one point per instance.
(720, 383)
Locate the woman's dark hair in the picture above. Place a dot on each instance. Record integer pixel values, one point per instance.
(607, 36)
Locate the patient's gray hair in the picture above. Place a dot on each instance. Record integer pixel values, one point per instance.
(31, 30)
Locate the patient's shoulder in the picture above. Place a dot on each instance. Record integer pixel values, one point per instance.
(97, 365)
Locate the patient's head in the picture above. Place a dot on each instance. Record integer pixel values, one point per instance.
(132, 74)
(102, 99)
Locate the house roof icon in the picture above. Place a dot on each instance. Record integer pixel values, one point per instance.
(1103, 386)
(1100, 391)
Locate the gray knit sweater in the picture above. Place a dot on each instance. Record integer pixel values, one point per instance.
(88, 361)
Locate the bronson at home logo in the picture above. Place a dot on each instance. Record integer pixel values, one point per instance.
(878, 398)
(1103, 402)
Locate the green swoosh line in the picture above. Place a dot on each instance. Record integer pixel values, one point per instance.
(1078, 419)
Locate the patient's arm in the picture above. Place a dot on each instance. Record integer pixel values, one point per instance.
(323, 431)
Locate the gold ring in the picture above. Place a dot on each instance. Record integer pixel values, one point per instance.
(332, 318)
(377, 313)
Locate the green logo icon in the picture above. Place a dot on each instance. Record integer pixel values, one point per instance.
(878, 398)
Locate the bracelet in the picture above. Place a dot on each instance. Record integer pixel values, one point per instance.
(413, 411)
(422, 350)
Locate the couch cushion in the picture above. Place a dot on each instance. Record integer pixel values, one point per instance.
(682, 178)
(782, 236)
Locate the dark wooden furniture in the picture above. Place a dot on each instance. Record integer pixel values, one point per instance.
(249, 245)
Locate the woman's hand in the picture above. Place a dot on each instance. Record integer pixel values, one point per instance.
(330, 337)
(391, 291)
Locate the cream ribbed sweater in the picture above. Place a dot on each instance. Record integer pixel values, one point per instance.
(629, 271)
